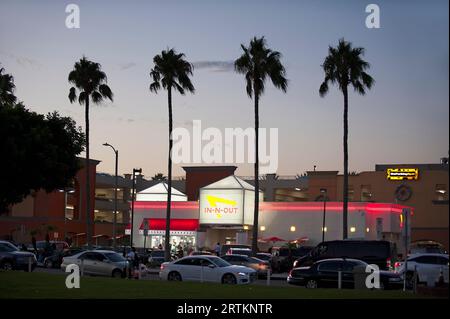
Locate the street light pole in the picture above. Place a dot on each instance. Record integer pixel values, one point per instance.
(133, 198)
(116, 152)
(324, 194)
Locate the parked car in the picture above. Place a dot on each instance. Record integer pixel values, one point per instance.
(427, 247)
(224, 249)
(379, 252)
(283, 257)
(98, 262)
(156, 258)
(261, 266)
(428, 266)
(264, 256)
(40, 245)
(201, 252)
(208, 269)
(55, 260)
(11, 258)
(239, 251)
(324, 274)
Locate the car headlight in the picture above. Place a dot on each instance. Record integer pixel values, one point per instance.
(242, 274)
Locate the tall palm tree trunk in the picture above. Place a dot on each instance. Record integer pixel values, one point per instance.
(88, 179)
(345, 190)
(169, 179)
(256, 209)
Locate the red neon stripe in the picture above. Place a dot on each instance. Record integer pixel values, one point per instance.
(283, 206)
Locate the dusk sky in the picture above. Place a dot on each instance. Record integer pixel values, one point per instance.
(403, 119)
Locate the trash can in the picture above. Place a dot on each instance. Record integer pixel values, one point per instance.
(360, 275)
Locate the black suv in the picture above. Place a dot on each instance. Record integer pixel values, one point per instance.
(379, 252)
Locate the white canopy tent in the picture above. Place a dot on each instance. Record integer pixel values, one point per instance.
(158, 192)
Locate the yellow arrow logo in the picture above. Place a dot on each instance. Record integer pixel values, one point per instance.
(213, 200)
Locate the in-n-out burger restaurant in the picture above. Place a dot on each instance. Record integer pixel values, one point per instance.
(224, 213)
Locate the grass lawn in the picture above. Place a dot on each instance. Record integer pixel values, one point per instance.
(17, 284)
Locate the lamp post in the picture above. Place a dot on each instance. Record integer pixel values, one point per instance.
(133, 198)
(116, 152)
(324, 195)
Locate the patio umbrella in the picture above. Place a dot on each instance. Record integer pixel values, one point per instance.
(273, 239)
(299, 240)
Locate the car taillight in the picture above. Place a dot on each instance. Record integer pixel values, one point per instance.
(162, 267)
(388, 263)
(290, 272)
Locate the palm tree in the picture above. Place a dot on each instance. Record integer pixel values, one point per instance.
(344, 66)
(88, 78)
(257, 63)
(171, 72)
(7, 88)
(159, 177)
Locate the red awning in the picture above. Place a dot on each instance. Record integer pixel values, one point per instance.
(175, 224)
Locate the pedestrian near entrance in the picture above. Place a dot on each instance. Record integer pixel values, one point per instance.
(217, 249)
(132, 262)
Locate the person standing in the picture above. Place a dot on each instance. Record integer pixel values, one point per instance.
(131, 257)
(217, 249)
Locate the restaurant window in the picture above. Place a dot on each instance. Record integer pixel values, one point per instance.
(103, 216)
(366, 193)
(351, 193)
(441, 193)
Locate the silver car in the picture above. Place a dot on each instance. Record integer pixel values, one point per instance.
(98, 263)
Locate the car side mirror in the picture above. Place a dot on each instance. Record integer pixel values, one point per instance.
(211, 266)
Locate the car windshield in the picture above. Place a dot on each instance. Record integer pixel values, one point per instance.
(220, 262)
(255, 260)
(7, 247)
(114, 257)
(264, 257)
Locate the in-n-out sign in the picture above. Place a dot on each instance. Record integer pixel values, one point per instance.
(229, 201)
(225, 207)
(400, 174)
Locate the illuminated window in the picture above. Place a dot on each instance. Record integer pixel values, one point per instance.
(367, 229)
(352, 229)
(366, 193)
(292, 228)
(441, 192)
(262, 228)
(245, 227)
(324, 229)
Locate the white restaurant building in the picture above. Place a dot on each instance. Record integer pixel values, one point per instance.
(224, 213)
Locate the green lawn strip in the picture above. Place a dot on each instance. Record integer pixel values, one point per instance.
(41, 285)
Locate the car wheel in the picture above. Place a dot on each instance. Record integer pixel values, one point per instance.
(48, 264)
(311, 284)
(229, 279)
(7, 265)
(174, 276)
(117, 273)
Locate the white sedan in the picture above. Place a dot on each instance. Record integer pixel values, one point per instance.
(206, 268)
(429, 267)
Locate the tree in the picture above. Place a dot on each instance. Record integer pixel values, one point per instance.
(159, 177)
(171, 72)
(40, 152)
(91, 82)
(7, 88)
(258, 63)
(344, 66)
